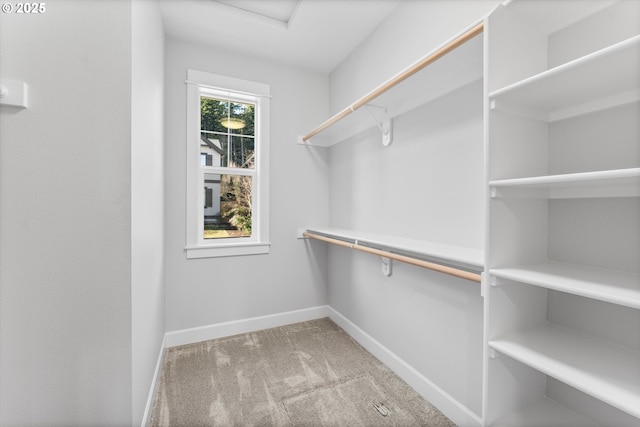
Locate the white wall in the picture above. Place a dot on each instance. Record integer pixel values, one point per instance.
(428, 185)
(413, 29)
(65, 217)
(202, 292)
(147, 198)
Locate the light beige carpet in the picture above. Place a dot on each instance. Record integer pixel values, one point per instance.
(304, 374)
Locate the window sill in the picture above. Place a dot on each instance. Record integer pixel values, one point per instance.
(233, 249)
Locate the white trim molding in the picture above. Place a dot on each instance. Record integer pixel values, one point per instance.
(146, 417)
(235, 327)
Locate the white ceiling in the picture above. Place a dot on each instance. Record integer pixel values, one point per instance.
(313, 34)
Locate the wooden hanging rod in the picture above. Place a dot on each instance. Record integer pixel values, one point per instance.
(398, 79)
(475, 277)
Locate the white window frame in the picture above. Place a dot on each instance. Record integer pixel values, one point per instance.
(199, 84)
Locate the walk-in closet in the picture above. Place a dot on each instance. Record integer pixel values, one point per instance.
(312, 212)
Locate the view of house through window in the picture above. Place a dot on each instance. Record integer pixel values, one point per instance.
(227, 159)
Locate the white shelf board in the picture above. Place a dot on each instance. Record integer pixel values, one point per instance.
(607, 183)
(468, 257)
(604, 285)
(602, 79)
(607, 372)
(458, 68)
(544, 413)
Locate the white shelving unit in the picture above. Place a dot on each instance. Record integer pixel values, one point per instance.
(564, 205)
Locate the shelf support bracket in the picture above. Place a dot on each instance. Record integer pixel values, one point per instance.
(387, 132)
(13, 93)
(385, 125)
(387, 266)
(494, 282)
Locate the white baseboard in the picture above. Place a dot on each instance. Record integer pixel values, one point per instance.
(154, 383)
(457, 412)
(219, 330)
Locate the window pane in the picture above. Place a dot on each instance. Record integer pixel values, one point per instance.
(227, 206)
(227, 133)
(213, 149)
(211, 112)
(241, 152)
(220, 115)
(241, 119)
(231, 151)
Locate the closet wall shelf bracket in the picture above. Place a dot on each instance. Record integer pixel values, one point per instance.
(387, 266)
(385, 125)
(387, 132)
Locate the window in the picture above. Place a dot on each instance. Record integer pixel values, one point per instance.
(227, 166)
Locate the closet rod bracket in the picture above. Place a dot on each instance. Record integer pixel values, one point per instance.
(385, 125)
